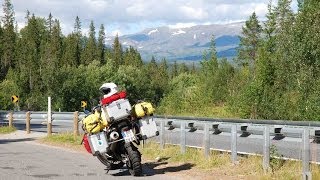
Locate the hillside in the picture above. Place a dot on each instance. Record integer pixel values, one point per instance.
(184, 43)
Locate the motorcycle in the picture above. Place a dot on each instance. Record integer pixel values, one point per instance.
(123, 139)
(120, 139)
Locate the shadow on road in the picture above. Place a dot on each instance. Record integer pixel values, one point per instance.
(6, 141)
(153, 168)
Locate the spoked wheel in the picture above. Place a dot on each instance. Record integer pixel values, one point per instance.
(104, 160)
(134, 162)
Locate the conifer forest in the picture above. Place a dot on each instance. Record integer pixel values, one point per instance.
(276, 74)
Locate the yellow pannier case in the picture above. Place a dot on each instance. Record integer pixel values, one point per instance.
(93, 123)
(143, 109)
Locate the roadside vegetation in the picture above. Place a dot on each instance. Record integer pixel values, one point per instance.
(67, 140)
(274, 76)
(219, 164)
(7, 129)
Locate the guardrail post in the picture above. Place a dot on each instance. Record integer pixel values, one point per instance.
(28, 122)
(306, 174)
(10, 119)
(162, 134)
(206, 140)
(183, 137)
(49, 123)
(76, 123)
(234, 144)
(266, 149)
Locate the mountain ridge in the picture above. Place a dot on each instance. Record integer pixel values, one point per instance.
(187, 43)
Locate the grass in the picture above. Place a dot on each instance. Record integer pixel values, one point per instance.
(208, 111)
(249, 167)
(216, 165)
(64, 140)
(192, 155)
(7, 129)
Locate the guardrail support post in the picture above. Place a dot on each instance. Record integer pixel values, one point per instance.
(10, 119)
(206, 140)
(183, 137)
(28, 122)
(234, 144)
(266, 149)
(49, 123)
(306, 174)
(162, 134)
(76, 123)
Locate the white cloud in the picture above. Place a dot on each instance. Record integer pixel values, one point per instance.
(194, 13)
(128, 16)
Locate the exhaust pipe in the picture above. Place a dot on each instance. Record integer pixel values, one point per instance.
(114, 135)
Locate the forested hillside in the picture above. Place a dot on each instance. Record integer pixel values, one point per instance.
(275, 76)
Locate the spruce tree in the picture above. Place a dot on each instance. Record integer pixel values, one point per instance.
(8, 40)
(90, 50)
(249, 42)
(117, 54)
(101, 45)
(174, 70)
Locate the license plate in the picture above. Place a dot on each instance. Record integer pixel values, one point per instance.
(128, 136)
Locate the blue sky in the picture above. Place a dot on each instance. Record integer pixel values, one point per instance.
(131, 16)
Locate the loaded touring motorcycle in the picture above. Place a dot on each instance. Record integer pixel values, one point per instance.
(114, 130)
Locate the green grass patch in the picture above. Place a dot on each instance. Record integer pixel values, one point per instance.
(68, 140)
(7, 129)
(194, 156)
(248, 167)
(213, 111)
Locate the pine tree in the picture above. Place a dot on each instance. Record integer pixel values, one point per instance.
(90, 50)
(193, 69)
(73, 45)
(101, 45)
(174, 70)
(249, 42)
(53, 57)
(183, 68)
(77, 26)
(9, 38)
(152, 66)
(300, 4)
(49, 24)
(117, 52)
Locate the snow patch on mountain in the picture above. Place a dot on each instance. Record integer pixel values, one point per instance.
(153, 31)
(178, 32)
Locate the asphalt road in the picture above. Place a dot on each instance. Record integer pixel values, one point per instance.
(22, 158)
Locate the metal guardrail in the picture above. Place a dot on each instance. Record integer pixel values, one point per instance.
(303, 130)
(245, 127)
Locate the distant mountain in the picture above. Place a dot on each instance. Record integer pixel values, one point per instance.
(186, 44)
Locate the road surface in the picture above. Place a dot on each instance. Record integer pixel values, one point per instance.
(23, 158)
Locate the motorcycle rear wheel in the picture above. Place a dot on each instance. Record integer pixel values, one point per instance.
(134, 162)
